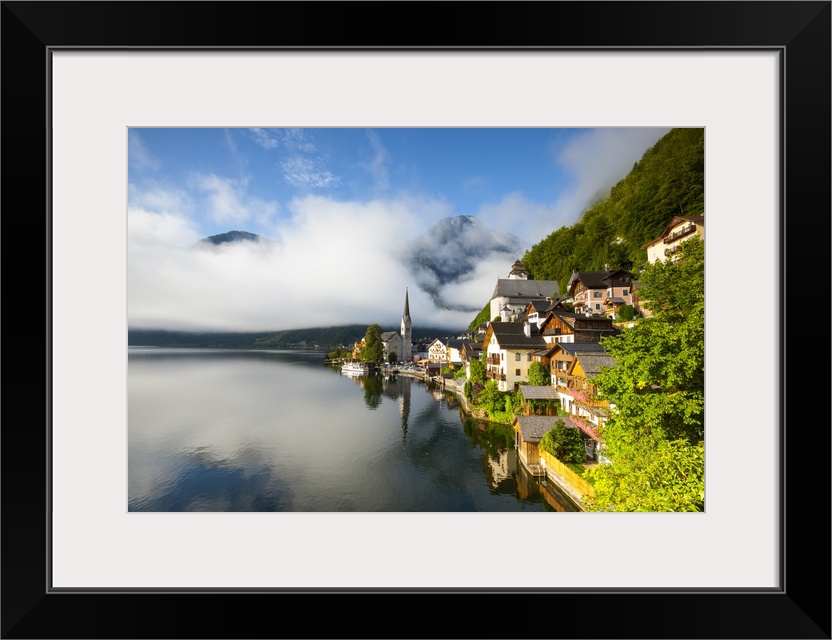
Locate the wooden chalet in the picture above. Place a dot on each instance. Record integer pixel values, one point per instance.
(539, 400)
(561, 326)
(528, 431)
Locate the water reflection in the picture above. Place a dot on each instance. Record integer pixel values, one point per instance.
(213, 430)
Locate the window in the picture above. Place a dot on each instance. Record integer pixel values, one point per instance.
(596, 294)
(528, 357)
(517, 372)
(597, 306)
(517, 357)
(624, 292)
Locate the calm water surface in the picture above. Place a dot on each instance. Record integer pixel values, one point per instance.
(227, 430)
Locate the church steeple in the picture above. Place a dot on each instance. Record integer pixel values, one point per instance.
(407, 338)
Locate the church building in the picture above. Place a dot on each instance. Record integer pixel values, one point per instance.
(400, 343)
(513, 294)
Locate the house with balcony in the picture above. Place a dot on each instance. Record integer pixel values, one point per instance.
(573, 367)
(562, 326)
(619, 291)
(509, 348)
(596, 292)
(438, 352)
(679, 229)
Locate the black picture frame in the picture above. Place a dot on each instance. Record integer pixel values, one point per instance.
(799, 31)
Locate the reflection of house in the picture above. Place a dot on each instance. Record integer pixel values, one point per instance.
(500, 468)
(679, 229)
(512, 295)
(509, 347)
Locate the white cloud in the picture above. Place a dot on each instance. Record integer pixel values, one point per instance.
(333, 263)
(306, 172)
(294, 139)
(226, 201)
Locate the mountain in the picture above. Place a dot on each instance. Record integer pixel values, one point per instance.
(669, 180)
(451, 249)
(233, 236)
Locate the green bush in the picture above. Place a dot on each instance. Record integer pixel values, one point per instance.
(564, 443)
(626, 312)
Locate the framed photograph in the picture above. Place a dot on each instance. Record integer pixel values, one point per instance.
(81, 80)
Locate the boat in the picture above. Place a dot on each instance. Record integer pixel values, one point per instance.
(356, 367)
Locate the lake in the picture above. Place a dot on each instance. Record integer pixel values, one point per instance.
(250, 430)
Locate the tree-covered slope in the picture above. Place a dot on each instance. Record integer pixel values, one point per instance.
(669, 180)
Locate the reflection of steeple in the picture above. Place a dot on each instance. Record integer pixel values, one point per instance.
(404, 406)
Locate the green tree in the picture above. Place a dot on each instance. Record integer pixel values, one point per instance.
(627, 312)
(565, 443)
(655, 475)
(539, 375)
(392, 357)
(491, 398)
(658, 388)
(477, 371)
(373, 350)
(481, 318)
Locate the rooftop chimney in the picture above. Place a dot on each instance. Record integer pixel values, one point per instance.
(527, 329)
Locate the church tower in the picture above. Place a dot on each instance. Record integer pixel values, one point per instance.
(407, 336)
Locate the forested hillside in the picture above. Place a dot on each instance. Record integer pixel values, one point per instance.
(669, 180)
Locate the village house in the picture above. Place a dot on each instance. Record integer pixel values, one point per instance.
(470, 351)
(528, 432)
(562, 326)
(679, 229)
(539, 400)
(509, 347)
(573, 367)
(392, 343)
(595, 292)
(438, 351)
(454, 350)
(511, 295)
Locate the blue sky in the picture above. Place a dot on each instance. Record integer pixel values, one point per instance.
(340, 204)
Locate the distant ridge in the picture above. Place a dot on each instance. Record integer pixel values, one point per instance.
(313, 337)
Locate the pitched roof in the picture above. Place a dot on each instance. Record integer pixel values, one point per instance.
(387, 335)
(591, 363)
(511, 335)
(575, 348)
(518, 288)
(590, 279)
(540, 306)
(539, 392)
(533, 428)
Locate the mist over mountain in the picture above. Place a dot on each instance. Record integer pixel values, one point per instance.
(450, 253)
